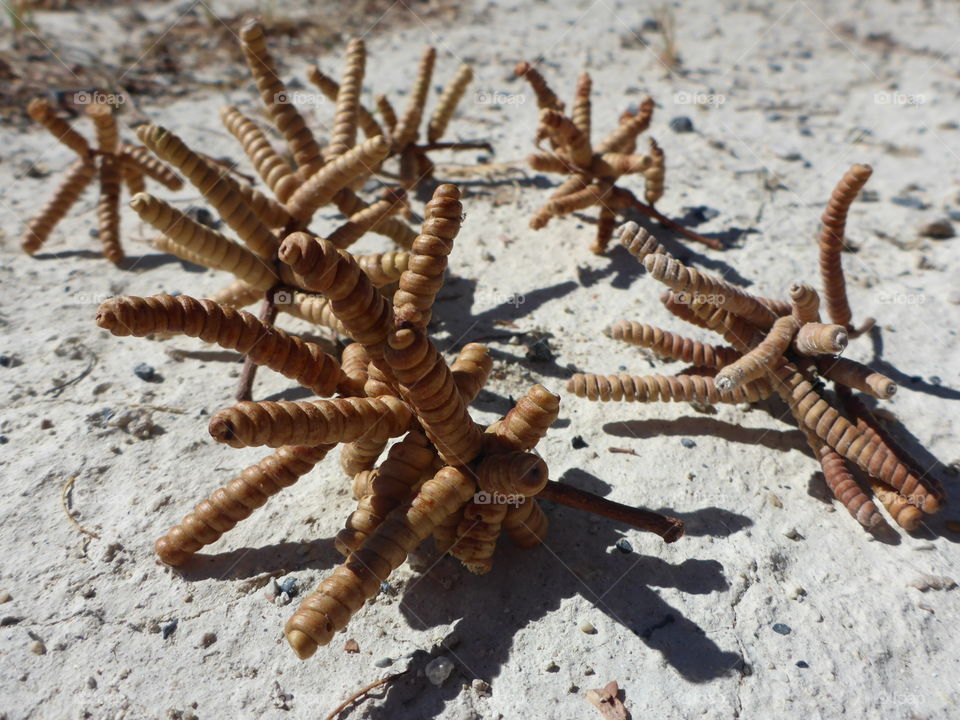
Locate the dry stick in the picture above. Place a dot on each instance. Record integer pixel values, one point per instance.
(675, 226)
(668, 528)
(268, 314)
(63, 502)
(476, 145)
(363, 691)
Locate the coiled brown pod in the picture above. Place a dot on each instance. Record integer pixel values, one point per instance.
(448, 102)
(40, 111)
(377, 382)
(427, 384)
(312, 308)
(592, 194)
(831, 242)
(108, 208)
(132, 178)
(526, 523)
(471, 369)
(574, 184)
(68, 192)
(445, 533)
(671, 345)
(389, 115)
(857, 377)
(761, 359)
(309, 422)
(736, 331)
(611, 165)
(428, 261)
(903, 513)
(580, 110)
(640, 243)
(361, 483)
(654, 175)
(147, 164)
(364, 312)
(408, 125)
(606, 223)
(805, 302)
(512, 473)
(384, 268)
(236, 295)
(340, 595)
(528, 421)
(331, 88)
(236, 501)
(815, 338)
(231, 329)
(320, 187)
(353, 363)
(548, 162)
(842, 484)
(276, 100)
(663, 388)
(623, 139)
(477, 533)
(344, 133)
(546, 98)
(272, 168)
(105, 126)
(564, 134)
(367, 219)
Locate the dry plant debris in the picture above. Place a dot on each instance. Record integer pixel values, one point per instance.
(110, 162)
(595, 168)
(462, 483)
(779, 347)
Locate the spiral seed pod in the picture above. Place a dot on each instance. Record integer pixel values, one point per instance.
(470, 370)
(612, 165)
(69, 191)
(132, 177)
(360, 487)
(309, 422)
(476, 535)
(408, 126)
(428, 261)
(526, 524)
(361, 455)
(594, 194)
(623, 139)
(654, 175)
(761, 359)
(340, 595)
(640, 243)
(661, 388)
(314, 309)
(364, 312)
(448, 102)
(40, 111)
(736, 331)
(140, 158)
(344, 133)
(353, 363)
(272, 168)
(427, 384)
(842, 484)
(370, 513)
(267, 210)
(548, 162)
(389, 115)
(320, 187)
(831, 242)
(235, 295)
(857, 377)
(384, 268)
(367, 219)
(679, 277)
(331, 88)
(569, 186)
(564, 134)
(903, 513)
(580, 109)
(276, 100)
(105, 126)
(212, 248)
(445, 533)
(378, 383)
(512, 473)
(546, 98)
(221, 191)
(528, 421)
(805, 302)
(779, 308)
(673, 346)
(108, 209)
(236, 501)
(816, 338)
(606, 223)
(231, 329)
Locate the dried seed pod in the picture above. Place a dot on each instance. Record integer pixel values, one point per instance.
(471, 369)
(276, 100)
(361, 455)
(903, 513)
(673, 346)
(512, 473)
(526, 524)
(232, 329)
(132, 178)
(528, 421)
(448, 102)
(842, 484)
(331, 88)
(424, 277)
(68, 192)
(387, 112)
(831, 242)
(353, 363)
(654, 175)
(407, 127)
(593, 194)
(340, 595)
(612, 165)
(564, 134)
(140, 158)
(815, 338)
(235, 295)
(640, 243)
(344, 133)
(314, 309)
(105, 126)
(384, 268)
(678, 305)
(606, 223)
(378, 382)
(805, 303)
(857, 377)
(736, 331)
(320, 187)
(108, 208)
(367, 219)
(370, 513)
(236, 501)
(653, 388)
(272, 168)
(40, 111)
(476, 535)
(445, 533)
(580, 110)
(309, 422)
(761, 359)
(572, 185)
(548, 162)
(546, 98)
(623, 139)
(360, 486)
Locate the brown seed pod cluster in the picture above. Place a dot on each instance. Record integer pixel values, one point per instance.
(780, 347)
(595, 168)
(445, 476)
(111, 162)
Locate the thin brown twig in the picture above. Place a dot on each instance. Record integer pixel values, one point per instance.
(652, 212)
(63, 502)
(363, 691)
(268, 314)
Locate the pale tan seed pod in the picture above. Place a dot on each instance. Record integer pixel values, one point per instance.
(236, 501)
(231, 329)
(663, 388)
(476, 535)
(344, 133)
(389, 115)
(672, 346)
(424, 276)
(762, 359)
(353, 363)
(445, 533)
(576, 183)
(315, 309)
(903, 513)
(640, 243)
(140, 158)
(272, 168)
(319, 188)
(235, 295)
(368, 219)
(805, 303)
(548, 162)
(378, 381)
(611, 165)
(361, 455)
(448, 102)
(564, 134)
(108, 208)
(857, 377)
(842, 484)
(426, 383)
(546, 98)
(527, 422)
(606, 223)
(736, 331)
(654, 175)
(408, 125)
(343, 593)
(815, 338)
(309, 422)
(471, 369)
(40, 111)
(623, 139)
(211, 248)
(68, 192)
(526, 524)
(512, 473)
(276, 100)
(384, 268)
(360, 486)
(677, 305)
(105, 126)
(593, 194)
(331, 88)
(370, 512)
(132, 177)
(780, 308)
(580, 109)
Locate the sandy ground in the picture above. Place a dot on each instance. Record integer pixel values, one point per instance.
(788, 96)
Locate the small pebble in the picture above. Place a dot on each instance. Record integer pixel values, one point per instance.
(578, 442)
(624, 546)
(552, 667)
(792, 534)
(933, 582)
(681, 124)
(387, 589)
(208, 639)
(480, 687)
(10, 361)
(588, 628)
(145, 372)
(588, 670)
(775, 500)
(5, 597)
(802, 664)
(92, 682)
(687, 443)
(8, 620)
(438, 670)
(781, 629)
(202, 216)
(938, 230)
(289, 586)
(383, 662)
(282, 599)
(274, 587)
(46, 424)
(168, 629)
(351, 646)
